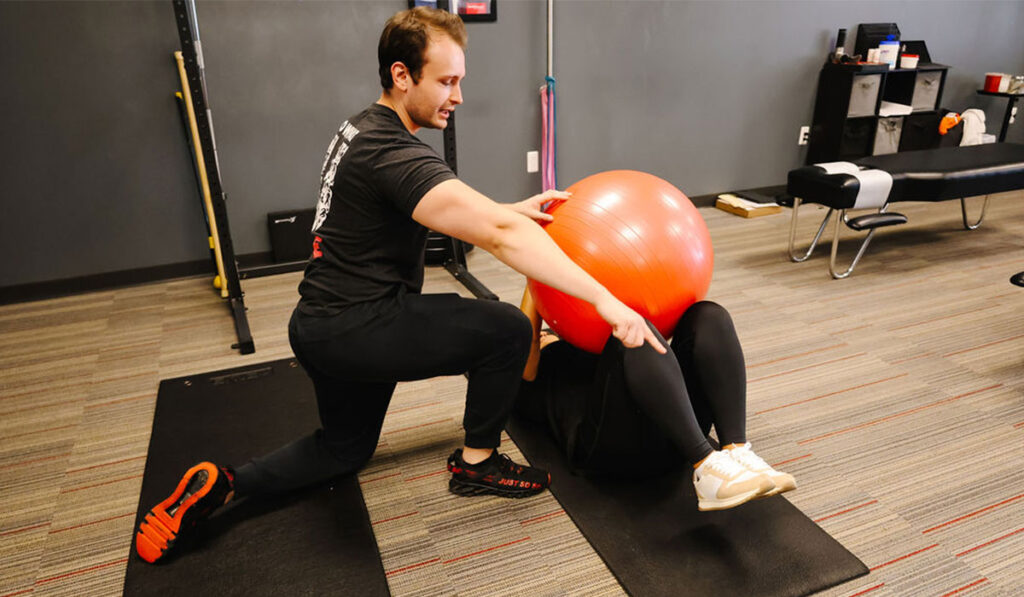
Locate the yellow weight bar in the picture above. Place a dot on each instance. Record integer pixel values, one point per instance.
(201, 166)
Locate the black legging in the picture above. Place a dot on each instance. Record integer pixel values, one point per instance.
(355, 360)
(709, 361)
(680, 395)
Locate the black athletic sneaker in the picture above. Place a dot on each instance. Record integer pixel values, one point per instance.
(204, 488)
(497, 475)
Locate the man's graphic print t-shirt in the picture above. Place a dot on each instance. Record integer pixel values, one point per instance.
(366, 245)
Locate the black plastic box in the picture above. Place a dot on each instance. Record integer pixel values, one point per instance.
(869, 35)
(291, 237)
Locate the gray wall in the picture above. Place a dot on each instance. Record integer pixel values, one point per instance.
(709, 95)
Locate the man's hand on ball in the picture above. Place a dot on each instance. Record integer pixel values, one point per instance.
(532, 207)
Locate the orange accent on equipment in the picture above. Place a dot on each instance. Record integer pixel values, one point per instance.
(948, 122)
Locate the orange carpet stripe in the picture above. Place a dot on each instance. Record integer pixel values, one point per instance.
(119, 401)
(379, 478)
(42, 407)
(848, 295)
(986, 345)
(414, 566)
(851, 509)
(87, 468)
(975, 513)
(21, 592)
(859, 327)
(806, 400)
(85, 524)
(987, 543)
(24, 529)
(27, 462)
(39, 431)
(543, 517)
(74, 489)
(941, 317)
(795, 356)
(920, 356)
(790, 460)
(853, 356)
(896, 415)
(408, 408)
(433, 474)
(476, 553)
(901, 558)
(965, 587)
(82, 571)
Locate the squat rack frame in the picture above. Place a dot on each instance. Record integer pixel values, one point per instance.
(209, 169)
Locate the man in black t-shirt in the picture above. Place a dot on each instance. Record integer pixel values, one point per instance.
(362, 324)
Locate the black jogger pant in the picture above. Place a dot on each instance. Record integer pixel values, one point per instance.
(355, 360)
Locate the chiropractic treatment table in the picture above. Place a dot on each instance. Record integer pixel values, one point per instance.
(876, 182)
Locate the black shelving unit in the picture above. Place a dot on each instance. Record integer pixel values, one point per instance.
(1011, 101)
(847, 124)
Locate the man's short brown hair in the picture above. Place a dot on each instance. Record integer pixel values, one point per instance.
(406, 35)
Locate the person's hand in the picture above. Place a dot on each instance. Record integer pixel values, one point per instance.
(627, 325)
(531, 207)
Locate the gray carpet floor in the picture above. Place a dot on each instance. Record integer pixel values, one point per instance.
(896, 397)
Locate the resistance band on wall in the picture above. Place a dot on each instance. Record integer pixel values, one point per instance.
(548, 144)
(547, 110)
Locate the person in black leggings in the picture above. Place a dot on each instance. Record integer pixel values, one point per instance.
(635, 412)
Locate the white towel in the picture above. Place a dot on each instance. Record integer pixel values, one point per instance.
(839, 167)
(874, 188)
(974, 127)
(875, 184)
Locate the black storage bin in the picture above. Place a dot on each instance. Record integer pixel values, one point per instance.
(920, 131)
(291, 238)
(858, 138)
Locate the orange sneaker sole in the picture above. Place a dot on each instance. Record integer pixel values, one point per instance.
(160, 529)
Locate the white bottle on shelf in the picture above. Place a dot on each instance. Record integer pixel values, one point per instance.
(889, 51)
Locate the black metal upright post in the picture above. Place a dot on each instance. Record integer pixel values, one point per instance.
(455, 260)
(191, 49)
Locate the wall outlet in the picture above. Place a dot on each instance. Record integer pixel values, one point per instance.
(805, 135)
(532, 161)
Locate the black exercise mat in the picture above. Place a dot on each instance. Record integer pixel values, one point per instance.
(315, 542)
(656, 542)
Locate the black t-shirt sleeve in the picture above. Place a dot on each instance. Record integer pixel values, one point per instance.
(404, 173)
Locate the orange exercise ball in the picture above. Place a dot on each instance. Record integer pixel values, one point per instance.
(641, 238)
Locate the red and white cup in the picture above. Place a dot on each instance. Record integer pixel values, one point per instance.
(993, 81)
(909, 60)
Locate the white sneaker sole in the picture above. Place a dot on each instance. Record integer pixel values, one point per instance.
(708, 505)
(778, 490)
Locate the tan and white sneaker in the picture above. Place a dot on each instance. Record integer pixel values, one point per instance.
(722, 482)
(745, 456)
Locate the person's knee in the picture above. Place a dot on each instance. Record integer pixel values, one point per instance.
(707, 318)
(513, 328)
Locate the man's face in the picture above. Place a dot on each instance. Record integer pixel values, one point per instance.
(431, 101)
